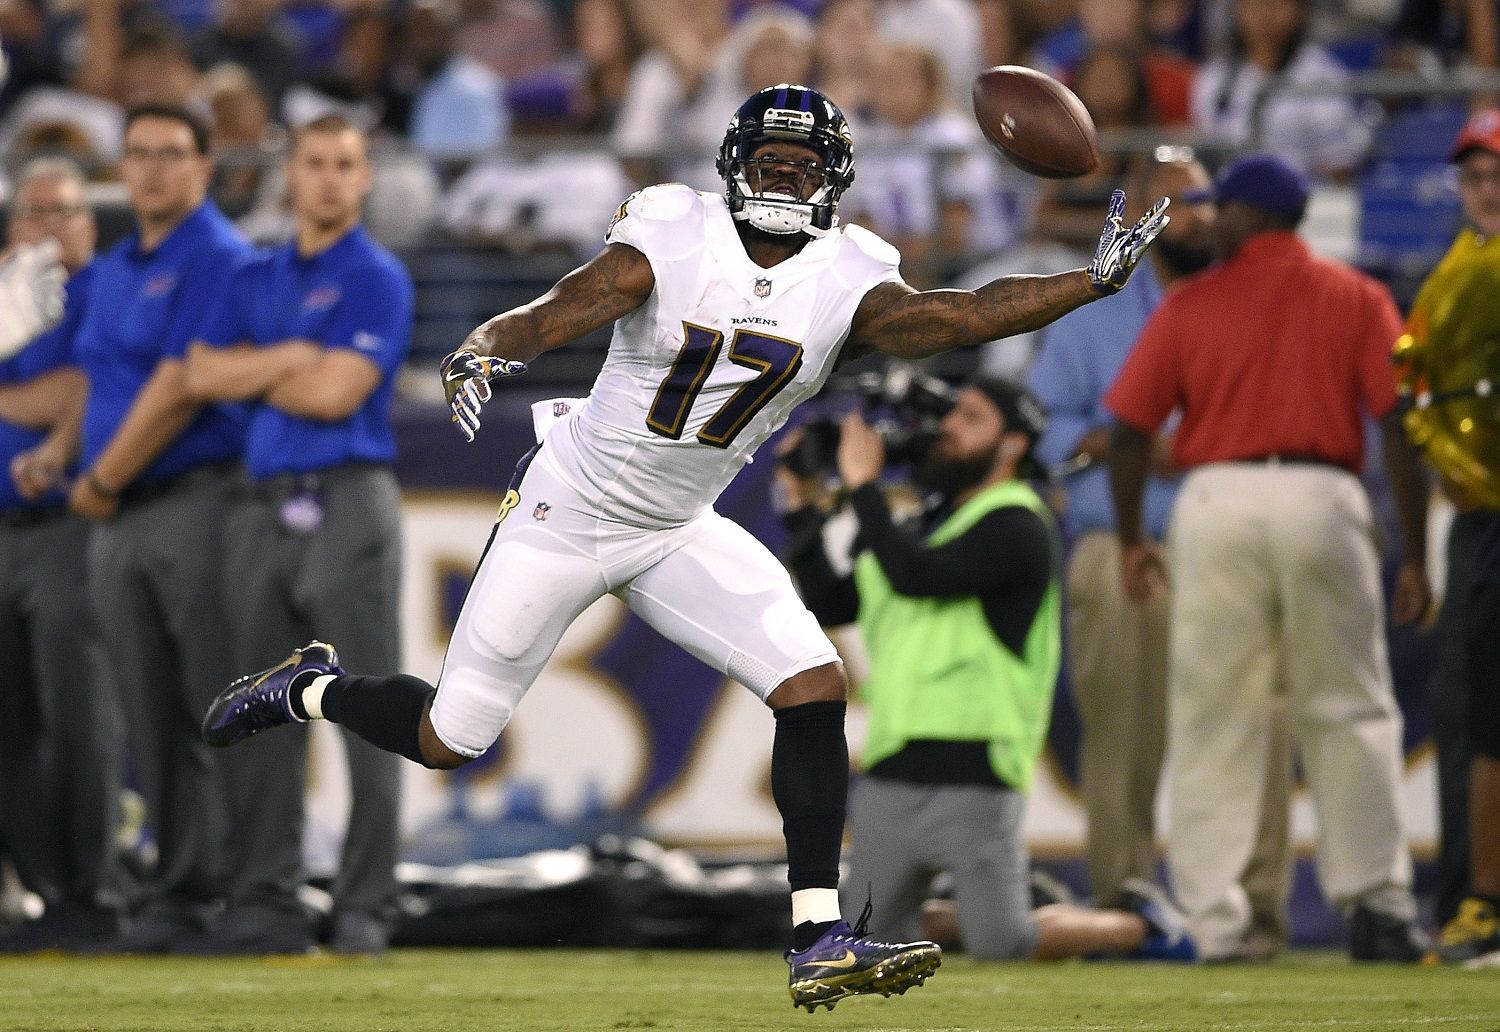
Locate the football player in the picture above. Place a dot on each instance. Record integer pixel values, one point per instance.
(729, 310)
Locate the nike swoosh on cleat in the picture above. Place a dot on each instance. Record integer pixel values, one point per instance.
(846, 961)
(278, 668)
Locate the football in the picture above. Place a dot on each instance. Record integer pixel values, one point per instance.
(1036, 122)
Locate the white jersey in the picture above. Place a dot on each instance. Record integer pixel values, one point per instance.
(715, 359)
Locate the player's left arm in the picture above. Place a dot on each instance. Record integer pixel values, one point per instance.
(895, 319)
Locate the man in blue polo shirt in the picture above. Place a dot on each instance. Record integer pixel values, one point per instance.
(157, 471)
(59, 719)
(313, 332)
(1117, 649)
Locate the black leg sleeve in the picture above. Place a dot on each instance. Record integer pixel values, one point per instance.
(1481, 615)
(810, 783)
(1483, 641)
(384, 711)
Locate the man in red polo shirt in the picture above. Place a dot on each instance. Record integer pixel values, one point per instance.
(1273, 358)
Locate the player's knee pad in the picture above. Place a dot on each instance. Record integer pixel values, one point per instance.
(470, 710)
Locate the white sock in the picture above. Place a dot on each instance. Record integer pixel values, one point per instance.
(312, 696)
(812, 904)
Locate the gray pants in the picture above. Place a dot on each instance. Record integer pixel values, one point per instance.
(60, 721)
(156, 589)
(339, 583)
(905, 834)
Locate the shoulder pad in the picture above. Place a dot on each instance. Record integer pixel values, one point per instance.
(872, 246)
(664, 203)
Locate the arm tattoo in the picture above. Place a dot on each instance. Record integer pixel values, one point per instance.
(615, 283)
(909, 324)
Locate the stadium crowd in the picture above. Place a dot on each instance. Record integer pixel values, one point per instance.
(520, 123)
(518, 126)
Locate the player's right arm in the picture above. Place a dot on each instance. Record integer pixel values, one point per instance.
(616, 282)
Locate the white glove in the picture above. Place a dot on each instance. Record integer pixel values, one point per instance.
(32, 282)
(466, 385)
(1118, 250)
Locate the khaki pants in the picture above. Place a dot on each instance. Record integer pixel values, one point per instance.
(1275, 568)
(1118, 658)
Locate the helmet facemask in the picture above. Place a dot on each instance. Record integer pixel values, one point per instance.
(780, 209)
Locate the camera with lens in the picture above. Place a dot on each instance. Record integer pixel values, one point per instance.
(901, 403)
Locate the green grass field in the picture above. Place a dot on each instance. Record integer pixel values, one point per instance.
(434, 990)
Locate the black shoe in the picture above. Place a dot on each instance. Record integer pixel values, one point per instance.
(251, 931)
(258, 701)
(69, 927)
(156, 929)
(1377, 936)
(356, 933)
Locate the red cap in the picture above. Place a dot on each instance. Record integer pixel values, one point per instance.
(1480, 132)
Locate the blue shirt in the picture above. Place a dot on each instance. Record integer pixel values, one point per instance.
(49, 351)
(146, 307)
(1081, 355)
(353, 295)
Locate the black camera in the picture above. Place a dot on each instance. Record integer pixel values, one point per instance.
(901, 403)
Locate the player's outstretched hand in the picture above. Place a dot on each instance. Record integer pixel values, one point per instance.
(32, 292)
(1119, 250)
(466, 385)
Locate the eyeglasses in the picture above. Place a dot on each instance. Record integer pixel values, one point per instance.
(45, 211)
(166, 156)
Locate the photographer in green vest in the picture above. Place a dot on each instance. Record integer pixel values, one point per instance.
(962, 623)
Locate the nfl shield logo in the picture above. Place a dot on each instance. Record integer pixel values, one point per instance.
(561, 408)
(541, 510)
(762, 287)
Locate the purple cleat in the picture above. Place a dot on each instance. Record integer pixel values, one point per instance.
(258, 701)
(845, 963)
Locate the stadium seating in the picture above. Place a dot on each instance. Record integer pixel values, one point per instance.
(1408, 196)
